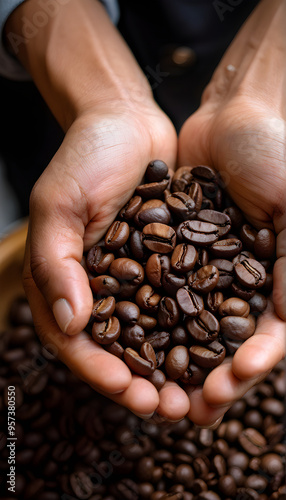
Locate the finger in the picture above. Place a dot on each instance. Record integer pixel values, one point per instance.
(54, 252)
(80, 353)
(279, 276)
(261, 352)
(201, 413)
(174, 402)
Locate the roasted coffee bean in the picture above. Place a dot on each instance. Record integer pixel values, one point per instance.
(182, 205)
(204, 280)
(234, 307)
(203, 328)
(237, 328)
(97, 261)
(155, 268)
(160, 358)
(159, 237)
(226, 273)
(81, 484)
(133, 336)
(103, 308)
(106, 331)
(226, 249)
(182, 179)
(221, 220)
(172, 282)
(177, 362)
(236, 217)
(127, 270)
(195, 192)
(227, 486)
(152, 211)
(137, 248)
(147, 352)
(252, 441)
(131, 208)
(157, 378)
(264, 244)
(104, 286)
(232, 345)
(194, 375)
(214, 301)
(247, 236)
(199, 233)
(208, 356)
(272, 406)
(245, 254)
(250, 273)
(271, 463)
(136, 363)
(128, 312)
(159, 340)
(146, 322)
(189, 302)
(152, 189)
(168, 313)
(156, 171)
(180, 336)
(116, 349)
(204, 172)
(117, 235)
(242, 292)
(183, 258)
(147, 299)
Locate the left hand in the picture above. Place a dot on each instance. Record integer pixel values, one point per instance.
(240, 129)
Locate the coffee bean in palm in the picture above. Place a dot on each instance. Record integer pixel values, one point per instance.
(183, 258)
(147, 352)
(117, 235)
(194, 374)
(136, 363)
(152, 211)
(235, 216)
(147, 299)
(182, 205)
(189, 302)
(250, 273)
(104, 286)
(172, 282)
(168, 313)
(133, 336)
(204, 172)
(97, 260)
(159, 238)
(214, 301)
(177, 362)
(247, 236)
(203, 328)
(226, 273)
(199, 233)
(204, 280)
(137, 248)
(160, 358)
(195, 192)
(116, 349)
(159, 340)
(208, 356)
(240, 291)
(127, 311)
(221, 220)
(156, 171)
(234, 307)
(106, 332)
(103, 308)
(131, 208)
(226, 249)
(152, 189)
(237, 328)
(202, 257)
(264, 244)
(146, 322)
(127, 270)
(180, 336)
(155, 268)
(182, 179)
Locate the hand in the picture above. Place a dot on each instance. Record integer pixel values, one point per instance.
(240, 129)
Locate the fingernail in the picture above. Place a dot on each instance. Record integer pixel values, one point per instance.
(143, 416)
(63, 313)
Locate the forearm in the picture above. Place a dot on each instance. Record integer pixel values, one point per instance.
(78, 60)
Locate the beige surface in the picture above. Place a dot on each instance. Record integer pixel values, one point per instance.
(12, 249)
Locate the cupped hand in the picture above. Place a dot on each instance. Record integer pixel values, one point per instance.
(93, 174)
(240, 129)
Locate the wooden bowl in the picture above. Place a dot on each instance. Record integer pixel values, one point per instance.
(12, 248)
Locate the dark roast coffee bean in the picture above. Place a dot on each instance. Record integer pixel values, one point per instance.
(204, 280)
(195, 192)
(247, 236)
(237, 328)
(168, 313)
(159, 237)
(204, 172)
(133, 336)
(156, 171)
(152, 211)
(136, 245)
(116, 349)
(136, 363)
(106, 331)
(245, 254)
(155, 268)
(242, 292)
(250, 273)
(177, 362)
(157, 378)
(232, 345)
(180, 336)
(152, 189)
(146, 322)
(189, 302)
(103, 308)
(203, 257)
(199, 233)
(226, 249)
(235, 216)
(271, 463)
(226, 275)
(128, 312)
(147, 299)
(97, 261)
(227, 486)
(131, 208)
(182, 179)
(159, 340)
(104, 286)
(127, 270)
(264, 244)
(117, 235)
(81, 484)
(272, 406)
(234, 307)
(214, 301)
(221, 220)
(207, 204)
(203, 328)
(252, 441)
(147, 352)
(194, 375)
(172, 282)
(160, 358)
(208, 356)
(183, 258)
(182, 205)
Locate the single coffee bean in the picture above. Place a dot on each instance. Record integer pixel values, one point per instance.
(250, 273)
(152, 211)
(189, 302)
(207, 204)
(203, 257)
(226, 249)
(116, 349)
(208, 356)
(203, 328)
(227, 486)
(204, 280)
(97, 261)
(160, 358)
(237, 328)
(147, 299)
(137, 248)
(157, 378)
(128, 312)
(177, 362)
(252, 441)
(146, 322)
(194, 375)
(159, 340)
(182, 205)
(133, 336)
(168, 313)
(199, 233)
(155, 268)
(127, 290)
(156, 171)
(271, 463)
(214, 301)
(103, 308)
(264, 244)
(235, 216)
(182, 179)
(147, 352)
(204, 172)
(159, 237)
(245, 254)
(117, 235)
(195, 192)
(131, 208)
(226, 273)
(172, 282)
(232, 345)
(127, 270)
(104, 286)
(136, 363)
(183, 258)
(221, 220)
(81, 484)
(234, 307)
(106, 331)
(242, 292)
(272, 406)
(180, 336)
(247, 236)
(153, 189)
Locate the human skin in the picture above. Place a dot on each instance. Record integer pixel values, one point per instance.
(91, 82)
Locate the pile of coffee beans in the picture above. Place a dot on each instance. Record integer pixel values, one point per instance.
(74, 444)
(179, 277)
